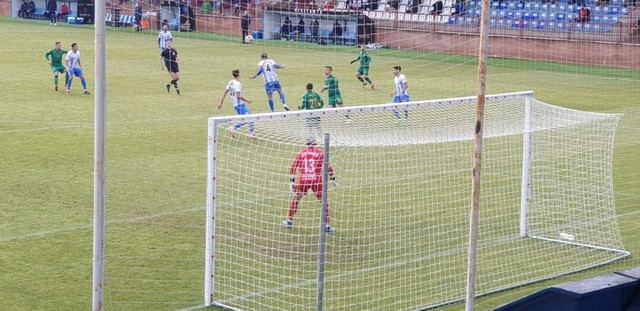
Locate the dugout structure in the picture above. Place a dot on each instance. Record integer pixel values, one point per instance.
(546, 210)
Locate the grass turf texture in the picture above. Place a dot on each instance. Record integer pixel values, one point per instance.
(156, 161)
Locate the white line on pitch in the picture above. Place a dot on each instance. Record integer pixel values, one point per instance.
(86, 227)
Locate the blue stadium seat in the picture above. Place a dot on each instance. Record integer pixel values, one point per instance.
(614, 10)
(526, 15)
(503, 22)
(624, 11)
(537, 6)
(503, 5)
(518, 15)
(562, 7)
(545, 7)
(614, 19)
(495, 4)
(471, 20)
(535, 15)
(597, 10)
(510, 14)
(528, 6)
(544, 15)
(561, 16)
(520, 6)
(541, 24)
(452, 20)
(562, 26)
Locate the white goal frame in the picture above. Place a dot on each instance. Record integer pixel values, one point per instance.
(211, 203)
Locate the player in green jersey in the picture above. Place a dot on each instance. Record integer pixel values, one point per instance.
(54, 58)
(311, 100)
(363, 70)
(332, 85)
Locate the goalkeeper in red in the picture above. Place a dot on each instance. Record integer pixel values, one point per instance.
(309, 162)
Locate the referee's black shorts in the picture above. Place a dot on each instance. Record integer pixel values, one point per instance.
(172, 66)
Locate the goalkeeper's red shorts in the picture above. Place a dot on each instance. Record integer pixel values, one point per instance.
(303, 186)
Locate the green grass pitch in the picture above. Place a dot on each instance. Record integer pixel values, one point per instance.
(156, 153)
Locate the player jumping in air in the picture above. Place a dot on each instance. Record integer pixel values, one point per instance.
(54, 58)
(267, 68)
(74, 68)
(311, 100)
(234, 89)
(169, 58)
(363, 70)
(309, 162)
(332, 85)
(401, 93)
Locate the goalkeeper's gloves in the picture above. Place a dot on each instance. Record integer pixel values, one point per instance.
(333, 181)
(353, 61)
(292, 184)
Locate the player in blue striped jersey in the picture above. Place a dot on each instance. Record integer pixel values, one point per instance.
(74, 68)
(163, 37)
(401, 93)
(267, 68)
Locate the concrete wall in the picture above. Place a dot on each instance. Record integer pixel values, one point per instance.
(5, 8)
(555, 50)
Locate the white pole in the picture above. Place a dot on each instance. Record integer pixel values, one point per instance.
(322, 245)
(474, 213)
(526, 167)
(100, 124)
(210, 215)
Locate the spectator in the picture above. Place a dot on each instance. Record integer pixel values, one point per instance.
(436, 8)
(373, 5)
(329, 5)
(285, 31)
(458, 8)
(393, 5)
(244, 24)
(414, 6)
(584, 15)
(300, 29)
(236, 7)
(315, 27)
(30, 9)
(22, 13)
(336, 34)
(52, 8)
(64, 11)
(138, 15)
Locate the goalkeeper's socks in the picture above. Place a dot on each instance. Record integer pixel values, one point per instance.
(368, 80)
(55, 81)
(361, 80)
(271, 104)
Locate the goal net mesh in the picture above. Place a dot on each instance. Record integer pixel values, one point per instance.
(401, 208)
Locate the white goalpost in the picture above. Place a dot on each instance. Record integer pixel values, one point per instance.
(400, 210)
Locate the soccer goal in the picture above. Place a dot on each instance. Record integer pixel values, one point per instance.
(400, 210)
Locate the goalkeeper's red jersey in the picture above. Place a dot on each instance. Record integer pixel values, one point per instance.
(309, 162)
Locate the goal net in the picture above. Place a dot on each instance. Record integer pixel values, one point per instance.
(401, 208)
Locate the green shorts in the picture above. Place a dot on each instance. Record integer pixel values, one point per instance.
(364, 71)
(335, 101)
(56, 68)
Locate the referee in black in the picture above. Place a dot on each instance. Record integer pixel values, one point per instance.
(169, 58)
